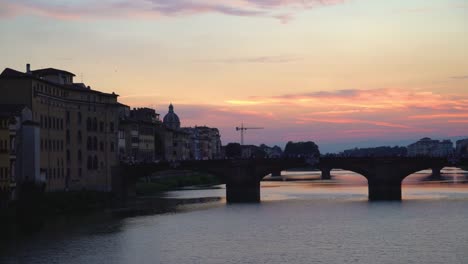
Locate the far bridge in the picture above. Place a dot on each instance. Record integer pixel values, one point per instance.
(242, 176)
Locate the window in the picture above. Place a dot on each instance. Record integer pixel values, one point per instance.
(112, 147)
(111, 125)
(79, 156)
(89, 144)
(95, 163)
(79, 118)
(68, 155)
(88, 124)
(67, 117)
(95, 143)
(68, 136)
(121, 134)
(79, 137)
(90, 163)
(101, 126)
(95, 124)
(101, 146)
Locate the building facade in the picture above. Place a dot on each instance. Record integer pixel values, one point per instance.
(19, 150)
(78, 127)
(137, 136)
(431, 148)
(204, 143)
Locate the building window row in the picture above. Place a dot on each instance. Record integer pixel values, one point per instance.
(3, 145)
(4, 123)
(50, 90)
(50, 122)
(4, 173)
(92, 163)
(55, 173)
(51, 145)
(92, 143)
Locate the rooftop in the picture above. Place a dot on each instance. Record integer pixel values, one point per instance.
(50, 71)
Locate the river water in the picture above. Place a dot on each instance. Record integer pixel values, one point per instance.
(308, 221)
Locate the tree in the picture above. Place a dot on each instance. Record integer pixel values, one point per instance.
(308, 148)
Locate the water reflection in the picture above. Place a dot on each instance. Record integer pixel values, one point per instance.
(297, 222)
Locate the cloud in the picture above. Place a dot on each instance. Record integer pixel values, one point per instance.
(328, 117)
(257, 59)
(366, 100)
(279, 9)
(461, 77)
(304, 120)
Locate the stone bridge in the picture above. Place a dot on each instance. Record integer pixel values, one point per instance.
(242, 177)
(384, 175)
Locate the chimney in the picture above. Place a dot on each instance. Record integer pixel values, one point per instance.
(28, 68)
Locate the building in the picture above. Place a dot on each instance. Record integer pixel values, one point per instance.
(78, 126)
(462, 148)
(205, 142)
(431, 148)
(137, 136)
(195, 143)
(171, 119)
(19, 150)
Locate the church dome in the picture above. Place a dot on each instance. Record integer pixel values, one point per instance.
(171, 120)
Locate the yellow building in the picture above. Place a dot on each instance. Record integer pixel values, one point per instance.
(78, 126)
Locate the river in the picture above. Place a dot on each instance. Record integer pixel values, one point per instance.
(309, 221)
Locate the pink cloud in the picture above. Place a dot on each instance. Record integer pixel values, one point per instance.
(305, 120)
(159, 8)
(337, 116)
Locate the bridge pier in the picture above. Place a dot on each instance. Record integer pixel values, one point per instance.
(246, 192)
(326, 174)
(436, 172)
(384, 189)
(276, 173)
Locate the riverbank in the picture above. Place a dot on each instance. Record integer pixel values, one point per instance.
(168, 182)
(29, 215)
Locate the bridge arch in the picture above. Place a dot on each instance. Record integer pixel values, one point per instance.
(242, 177)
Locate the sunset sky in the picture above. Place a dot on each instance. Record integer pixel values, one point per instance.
(341, 73)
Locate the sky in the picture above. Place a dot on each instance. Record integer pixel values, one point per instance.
(342, 73)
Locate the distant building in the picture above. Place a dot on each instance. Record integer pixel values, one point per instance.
(184, 143)
(175, 141)
(375, 152)
(78, 126)
(171, 119)
(431, 148)
(137, 134)
(462, 148)
(205, 142)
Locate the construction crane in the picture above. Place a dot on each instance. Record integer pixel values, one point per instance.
(242, 129)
